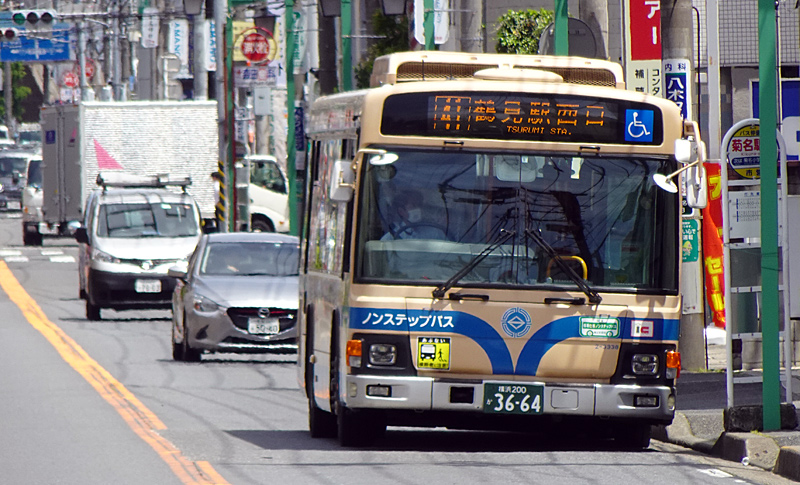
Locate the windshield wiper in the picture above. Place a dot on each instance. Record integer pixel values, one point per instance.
(442, 289)
(593, 296)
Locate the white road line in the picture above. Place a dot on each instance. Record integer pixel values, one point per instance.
(16, 259)
(51, 252)
(716, 473)
(9, 252)
(62, 259)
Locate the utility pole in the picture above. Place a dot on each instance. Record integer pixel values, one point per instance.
(8, 94)
(676, 47)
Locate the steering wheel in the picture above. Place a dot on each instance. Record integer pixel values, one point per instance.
(414, 225)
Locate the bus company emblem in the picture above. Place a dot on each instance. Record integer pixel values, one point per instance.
(516, 322)
(599, 327)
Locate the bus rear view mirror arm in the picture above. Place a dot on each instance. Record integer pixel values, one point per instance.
(342, 182)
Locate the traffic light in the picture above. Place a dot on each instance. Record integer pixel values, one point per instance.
(33, 19)
(8, 34)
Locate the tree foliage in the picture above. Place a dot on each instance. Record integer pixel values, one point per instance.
(19, 92)
(393, 33)
(518, 32)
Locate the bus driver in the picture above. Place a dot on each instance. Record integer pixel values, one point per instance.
(409, 223)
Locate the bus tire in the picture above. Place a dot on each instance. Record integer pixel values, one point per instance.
(92, 311)
(632, 436)
(359, 428)
(321, 424)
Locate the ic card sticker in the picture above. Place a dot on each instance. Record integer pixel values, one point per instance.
(433, 353)
(599, 327)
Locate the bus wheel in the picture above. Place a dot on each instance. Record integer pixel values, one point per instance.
(92, 311)
(322, 424)
(359, 428)
(633, 436)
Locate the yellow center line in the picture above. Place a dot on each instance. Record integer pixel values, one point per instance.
(140, 419)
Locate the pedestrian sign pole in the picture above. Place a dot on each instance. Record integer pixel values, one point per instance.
(767, 64)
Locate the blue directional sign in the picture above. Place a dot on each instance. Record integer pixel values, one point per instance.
(56, 46)
(790, 111)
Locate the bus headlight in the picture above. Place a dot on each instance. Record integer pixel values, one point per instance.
(382, 354)
(644, 364)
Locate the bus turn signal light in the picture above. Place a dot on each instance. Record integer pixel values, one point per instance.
(354, 353)
(673, 364)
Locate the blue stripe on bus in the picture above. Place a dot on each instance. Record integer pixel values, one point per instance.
(428, 321)
(492, 342)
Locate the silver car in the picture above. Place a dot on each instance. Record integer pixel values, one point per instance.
(238, 294)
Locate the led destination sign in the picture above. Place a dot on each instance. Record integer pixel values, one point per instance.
(525, 117)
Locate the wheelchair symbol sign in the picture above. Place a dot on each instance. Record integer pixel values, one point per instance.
(638, 125)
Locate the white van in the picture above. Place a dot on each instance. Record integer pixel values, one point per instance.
(5, 137)
(134, 229)
(32, 201)
(269, 195)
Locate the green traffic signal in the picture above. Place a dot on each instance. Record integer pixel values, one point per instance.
(19, 18)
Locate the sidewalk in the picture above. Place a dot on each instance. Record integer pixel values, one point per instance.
(700, 417)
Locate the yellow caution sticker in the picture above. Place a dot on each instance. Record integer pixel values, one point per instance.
(433, 353)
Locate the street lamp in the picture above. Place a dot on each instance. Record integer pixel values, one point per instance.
(393, 7)
(193, 7)
(331, 8)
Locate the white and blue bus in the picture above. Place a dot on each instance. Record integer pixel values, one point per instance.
(485, 245)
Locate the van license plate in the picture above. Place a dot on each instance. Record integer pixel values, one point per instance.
(512, 398)
(261, 326)
(147, 286)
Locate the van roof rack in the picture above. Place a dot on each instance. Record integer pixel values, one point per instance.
(129, 180)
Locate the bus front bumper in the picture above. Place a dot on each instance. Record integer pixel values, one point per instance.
(652, 403)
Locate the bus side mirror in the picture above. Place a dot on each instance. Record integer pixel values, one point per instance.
(696, 187)
(343, 176)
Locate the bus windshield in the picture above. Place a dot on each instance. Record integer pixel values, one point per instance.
(500, 219)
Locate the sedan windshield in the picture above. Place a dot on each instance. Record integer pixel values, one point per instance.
(426, 215)
(149, 220)
(250, 259)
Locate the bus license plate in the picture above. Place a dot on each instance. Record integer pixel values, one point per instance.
(260, 326)
(147, 286)
(512, 398)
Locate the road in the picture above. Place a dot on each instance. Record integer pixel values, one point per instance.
(103, 402)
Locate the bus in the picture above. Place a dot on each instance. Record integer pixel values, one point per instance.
(493, 241)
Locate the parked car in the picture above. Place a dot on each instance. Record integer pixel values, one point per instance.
(5, 137)
(135, 229)
(237, 294)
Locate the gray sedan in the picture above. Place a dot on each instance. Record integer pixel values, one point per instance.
(238, 294)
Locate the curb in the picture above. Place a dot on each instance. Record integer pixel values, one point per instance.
(747, 448)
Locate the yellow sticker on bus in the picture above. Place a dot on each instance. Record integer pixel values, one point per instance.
(433, 353)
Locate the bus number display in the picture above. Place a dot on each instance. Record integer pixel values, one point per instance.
(525, 117)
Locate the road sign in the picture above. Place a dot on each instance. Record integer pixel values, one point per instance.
(790, 110)
(90, 68)
(255, 47)
(36, 49)
(70, 79)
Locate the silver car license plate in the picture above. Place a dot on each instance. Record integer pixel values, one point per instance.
(262, 326)
(147, 286)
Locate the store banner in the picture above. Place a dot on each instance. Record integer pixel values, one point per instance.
(713, 258)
